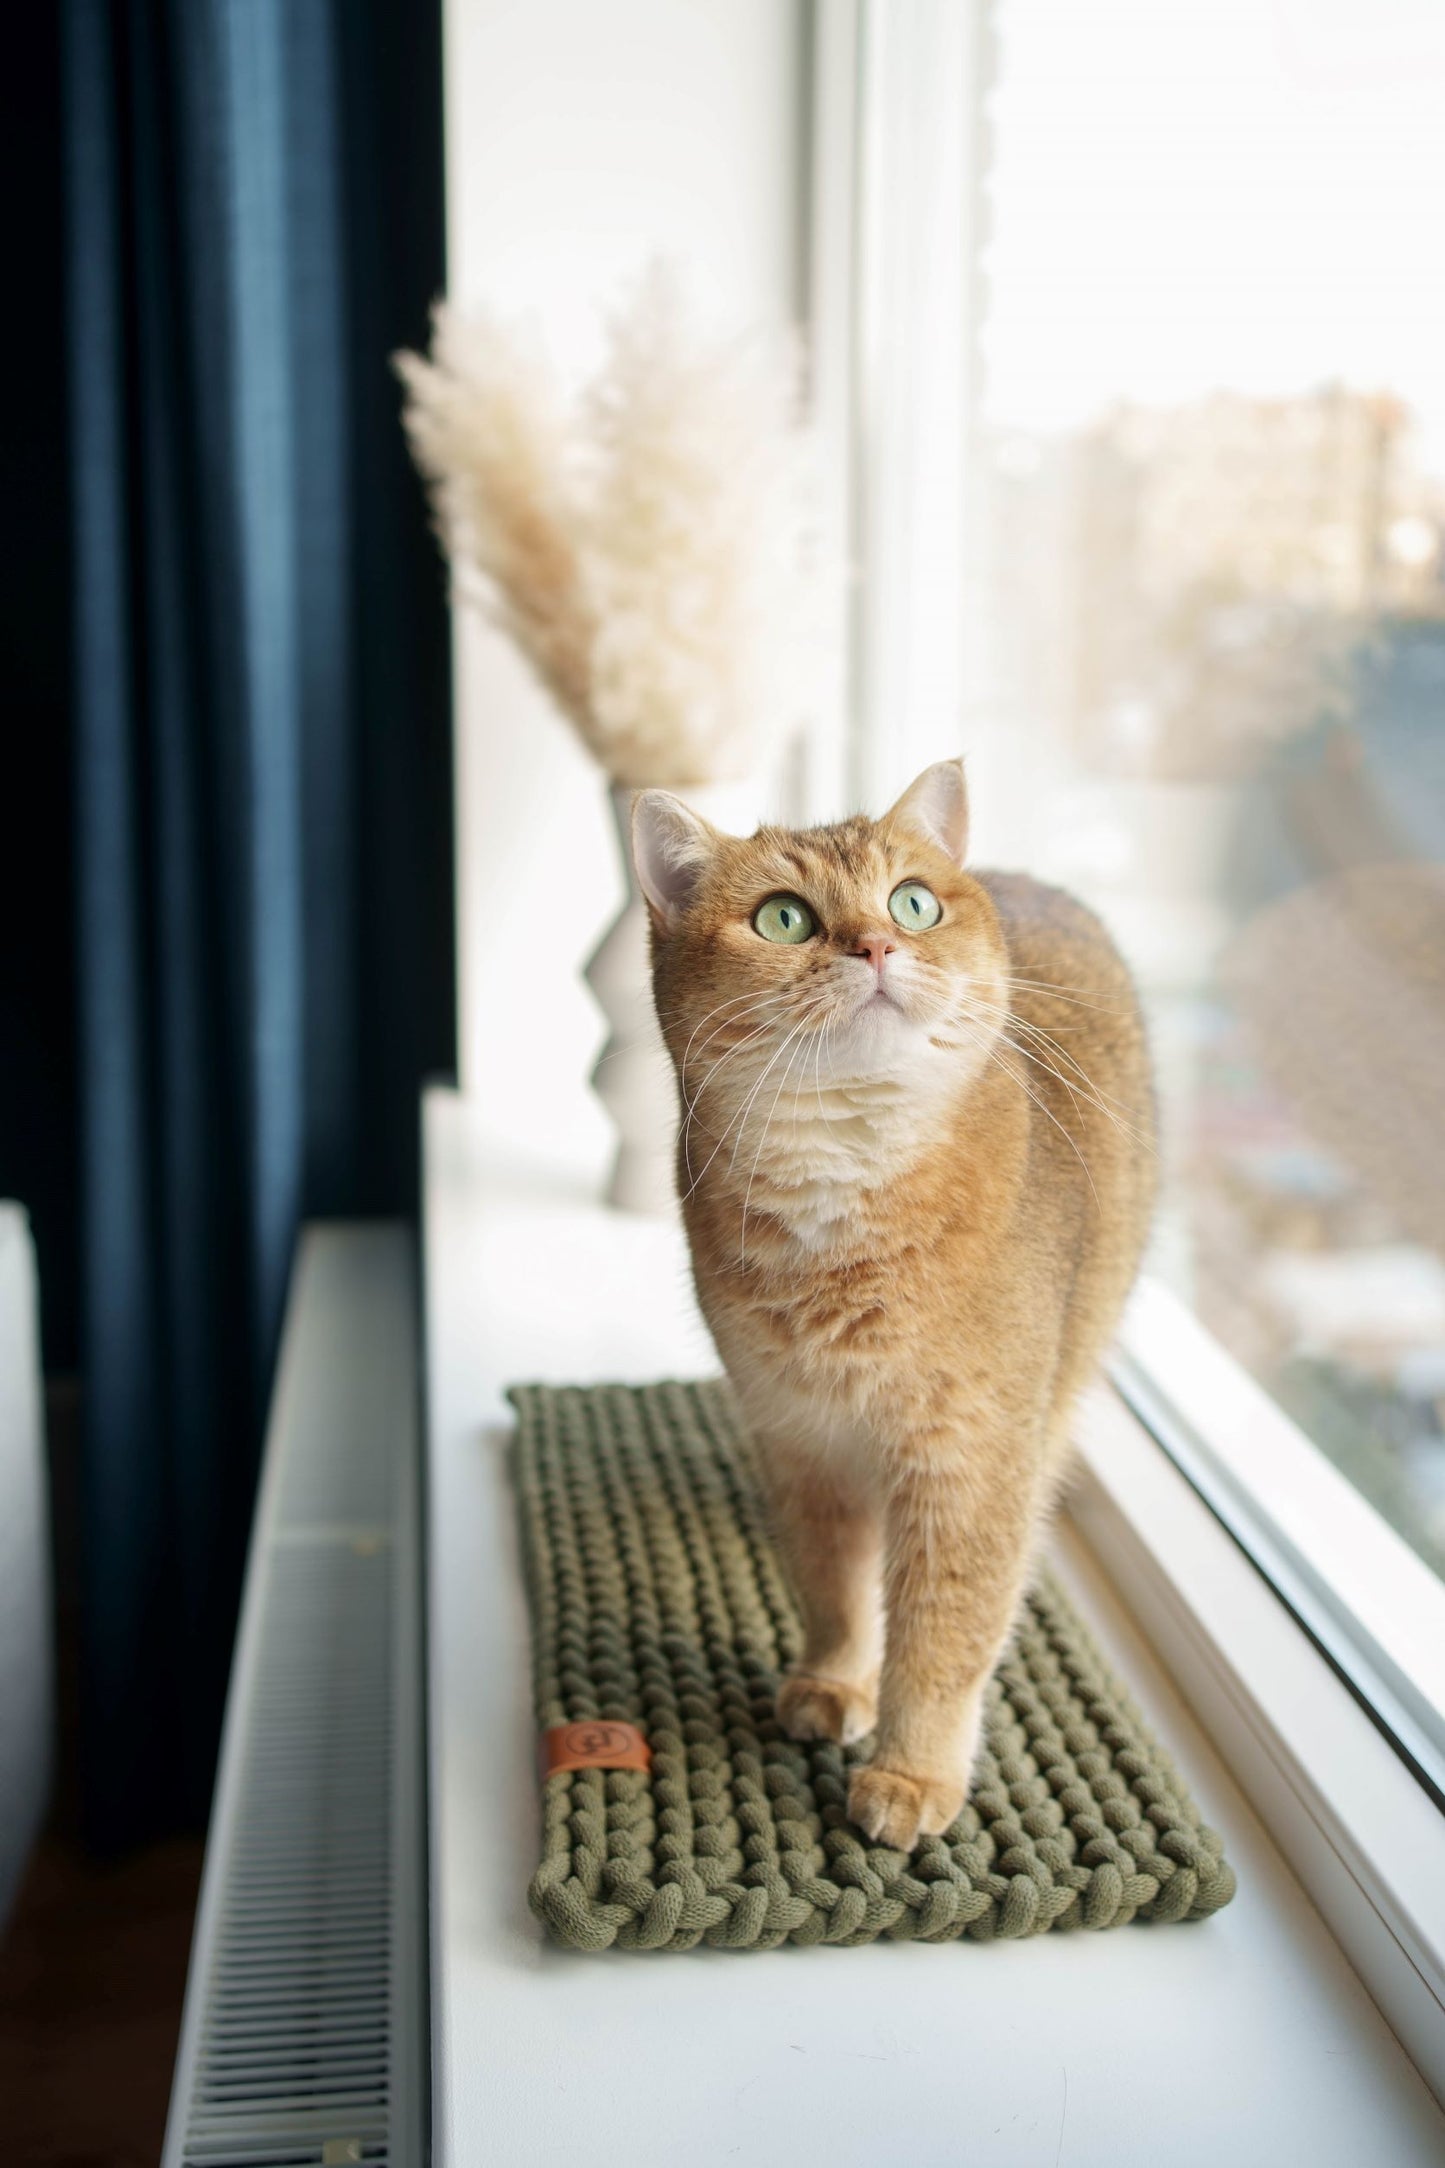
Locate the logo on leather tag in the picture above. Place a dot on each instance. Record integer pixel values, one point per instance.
(596, 1743)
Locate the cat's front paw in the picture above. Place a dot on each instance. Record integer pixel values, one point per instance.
(897, 1810)
(811, 1707)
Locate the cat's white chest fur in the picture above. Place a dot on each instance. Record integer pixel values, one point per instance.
(825, 1145)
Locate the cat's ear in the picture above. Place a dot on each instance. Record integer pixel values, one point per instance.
(936, 806)
(671, 845)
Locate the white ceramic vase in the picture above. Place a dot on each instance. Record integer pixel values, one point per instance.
(633, 1077)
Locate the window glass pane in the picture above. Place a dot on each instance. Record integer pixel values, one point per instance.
(1211, 620)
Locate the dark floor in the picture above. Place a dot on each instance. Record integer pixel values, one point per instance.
(93, 1957)
(92, 1972)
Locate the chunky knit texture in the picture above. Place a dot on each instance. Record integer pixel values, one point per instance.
(657, 1600)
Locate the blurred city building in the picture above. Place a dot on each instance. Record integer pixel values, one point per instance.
(1225, 622)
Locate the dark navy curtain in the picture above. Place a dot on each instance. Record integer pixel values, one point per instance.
(262, 764)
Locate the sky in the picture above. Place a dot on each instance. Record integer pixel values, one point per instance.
(1198, 193)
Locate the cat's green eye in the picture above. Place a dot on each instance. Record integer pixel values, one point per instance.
(783, 918)
(914, 906)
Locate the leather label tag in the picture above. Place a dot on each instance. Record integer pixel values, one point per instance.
(595, 1743)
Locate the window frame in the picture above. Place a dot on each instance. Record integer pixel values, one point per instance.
(897, 160)
(1372, 1607)
(1361, 1832)
(1309, 1638)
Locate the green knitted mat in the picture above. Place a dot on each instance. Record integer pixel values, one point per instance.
(657, 1600)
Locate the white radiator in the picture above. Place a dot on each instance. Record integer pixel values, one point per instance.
(304, 2038)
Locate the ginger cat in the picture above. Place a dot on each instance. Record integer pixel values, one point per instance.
(916, 1168)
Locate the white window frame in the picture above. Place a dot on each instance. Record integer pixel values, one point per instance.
(895, 236)
(1309, 1638)
(1361, 1832)
(1371, 1605)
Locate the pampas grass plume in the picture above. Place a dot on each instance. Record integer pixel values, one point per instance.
(487, 429)
(647, 547)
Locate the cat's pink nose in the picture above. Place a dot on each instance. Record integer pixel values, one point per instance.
(875, 946)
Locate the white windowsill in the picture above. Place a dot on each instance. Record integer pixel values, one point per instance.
(1249, 2037)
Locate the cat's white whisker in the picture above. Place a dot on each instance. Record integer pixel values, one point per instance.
(692, 1103)
(747, 1194)
(740, 1120)
(691, 1099)
(796, 1031)
(1073, 995)
(994, 1055)
(714, 1076)
(1113, 1110)
(760, 1031)
(754, 1002)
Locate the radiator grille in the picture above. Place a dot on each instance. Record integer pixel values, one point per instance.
(304, 2014)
